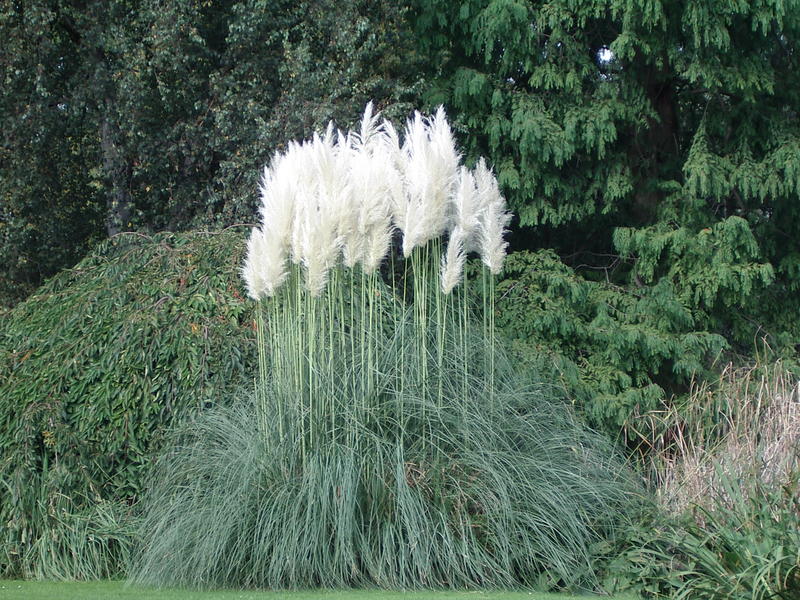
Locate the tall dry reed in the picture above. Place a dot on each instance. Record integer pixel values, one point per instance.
(745, 426)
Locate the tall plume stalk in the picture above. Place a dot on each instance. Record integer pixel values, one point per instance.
(395, 445)
(330, 207)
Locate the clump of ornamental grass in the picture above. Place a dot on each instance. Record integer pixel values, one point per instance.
(388, 440)
(83, 538)
(87, 543)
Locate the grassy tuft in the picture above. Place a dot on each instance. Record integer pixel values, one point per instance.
(383, 458)
(728, 468)
(90, 542)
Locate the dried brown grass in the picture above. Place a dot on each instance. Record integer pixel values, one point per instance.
(743, 427)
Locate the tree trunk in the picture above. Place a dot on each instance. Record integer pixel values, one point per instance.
(656, 150)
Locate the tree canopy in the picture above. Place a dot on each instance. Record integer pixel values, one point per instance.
(650, 150)
(160, 115)
(653, 146)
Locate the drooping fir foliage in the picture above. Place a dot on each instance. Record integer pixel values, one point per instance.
(389, 440)
(93, 369)
(618, 353)
(653, 146)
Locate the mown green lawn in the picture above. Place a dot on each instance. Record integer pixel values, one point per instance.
(114, 590)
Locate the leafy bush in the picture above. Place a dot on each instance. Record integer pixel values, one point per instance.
(742, 543)
(637, 558)
(93, 368)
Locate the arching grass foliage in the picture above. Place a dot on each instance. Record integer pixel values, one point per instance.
(377, 464)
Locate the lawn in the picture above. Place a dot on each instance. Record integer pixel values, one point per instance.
(105, 590)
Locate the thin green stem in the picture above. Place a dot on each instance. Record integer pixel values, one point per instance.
(491, 339)
(262, 351)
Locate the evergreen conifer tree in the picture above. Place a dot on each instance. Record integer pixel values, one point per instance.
(654, 146)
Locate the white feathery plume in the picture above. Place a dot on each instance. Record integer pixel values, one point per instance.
(293, 172)
(431, 165)
(388, 146)
(369, 129)
(372, 176)
(264, 270)
(485, 183)
(389, 142)
(492, 229)
(493, 218)
(278, 197)
(342, 194)
(465, 205)
(444, 167)
(332, 158)
(378, 242)
(363, 188)
(388, 180)
(415, 170)
(375, 218)
(251, 271)
(453, 260)
(321, 210)
(444, 149)
(275, 273)
(317, 242)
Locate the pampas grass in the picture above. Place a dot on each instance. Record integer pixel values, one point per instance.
(351, 490)
(388, 441)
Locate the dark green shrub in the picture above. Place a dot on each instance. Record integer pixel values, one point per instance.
(94, 367)
(619, 353)
(636, 558)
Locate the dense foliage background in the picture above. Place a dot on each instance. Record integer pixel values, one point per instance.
(650, 151)
(160, 115)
